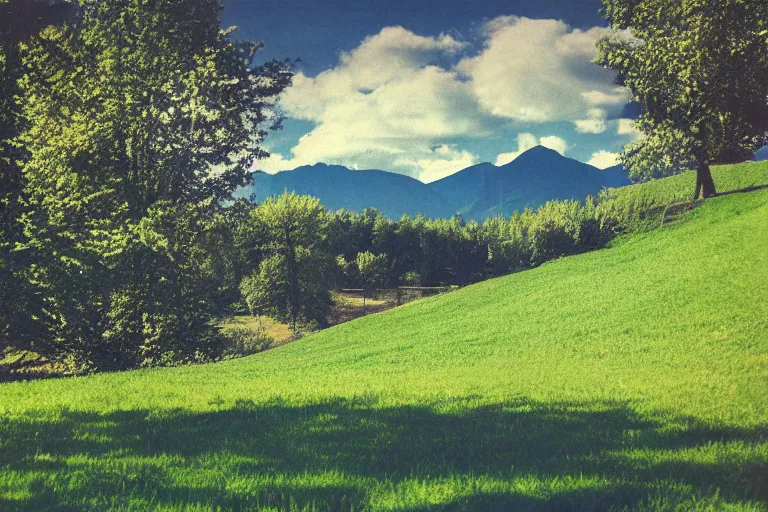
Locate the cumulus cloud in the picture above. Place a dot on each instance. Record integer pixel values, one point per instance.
(271, 165)
(386, 105)
(604, 159)
(444, 161)
(590, 125)
(526, 141)
(540, 71)
(595, 124)
(627, 127)
(616, 97)
(396, 99)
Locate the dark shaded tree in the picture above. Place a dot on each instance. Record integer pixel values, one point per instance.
(22, 19)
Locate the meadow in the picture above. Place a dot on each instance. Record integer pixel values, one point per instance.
(629, 378)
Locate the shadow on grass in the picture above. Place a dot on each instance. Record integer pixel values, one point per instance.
(330, 455)
(742, 190)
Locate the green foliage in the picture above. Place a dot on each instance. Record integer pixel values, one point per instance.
(410, 278)
(266, 291)
(294, 280)
(371, 269)
(623, 379)
(138, 120)
(241, 340)
(699, 68)
(17, 297)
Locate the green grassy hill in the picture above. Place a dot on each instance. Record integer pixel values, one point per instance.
(633, 378)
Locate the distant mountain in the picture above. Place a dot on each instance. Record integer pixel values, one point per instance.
(338, 187)
(462, 188)
(533, 178)
(616, 176)
(478, 192)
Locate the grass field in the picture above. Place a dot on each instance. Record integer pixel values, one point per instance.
(630, 378)
(728, 178)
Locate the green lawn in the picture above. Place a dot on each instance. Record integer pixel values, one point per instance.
(633, 377)
(727, 178)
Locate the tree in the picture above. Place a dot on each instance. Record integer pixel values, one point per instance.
(371, 270)
(292, 229)
(266, 290)
(139, 120)
(17, 299)
(699, 69)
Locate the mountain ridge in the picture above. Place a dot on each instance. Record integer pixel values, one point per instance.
(530, 180)
(476, 192)
(338, 187)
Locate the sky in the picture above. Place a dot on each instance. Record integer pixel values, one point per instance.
(429, 87)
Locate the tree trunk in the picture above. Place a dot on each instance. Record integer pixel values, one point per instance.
(705, 185)
(293, 277)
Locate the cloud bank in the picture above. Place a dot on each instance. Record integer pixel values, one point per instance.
(403, 102)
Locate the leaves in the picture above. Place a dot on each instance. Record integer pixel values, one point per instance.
(700, 71)
(138, 121)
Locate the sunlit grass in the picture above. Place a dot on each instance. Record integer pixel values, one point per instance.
(633, 378)
(728, 178)
(279, 332)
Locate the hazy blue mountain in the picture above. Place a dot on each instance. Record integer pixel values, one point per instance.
(462, 188)
(338, 187)
(533, 178)
(615, 176)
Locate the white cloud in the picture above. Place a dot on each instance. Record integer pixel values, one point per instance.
(627, 127)
(526, 141)
(604, 159)
(386, 105)
(617, 96)
(275, 163)
(555, 143)
(391, 101)
(596, 122)
(445, 161)
(590, 125)
(540, 71)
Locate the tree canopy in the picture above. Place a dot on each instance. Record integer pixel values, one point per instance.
(294, 278)
(699, 69)
(138, 119)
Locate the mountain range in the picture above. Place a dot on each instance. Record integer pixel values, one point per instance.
(478, 192)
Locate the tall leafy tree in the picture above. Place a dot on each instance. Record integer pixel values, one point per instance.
(371, 270)
(293, 232)
(699, 68)
(141, 118)
(22, 19)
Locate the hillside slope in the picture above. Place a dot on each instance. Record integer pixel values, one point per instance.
(633, 377)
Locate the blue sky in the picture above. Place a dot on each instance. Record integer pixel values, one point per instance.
(426, 88)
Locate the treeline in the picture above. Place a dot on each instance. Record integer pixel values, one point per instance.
(291, 252)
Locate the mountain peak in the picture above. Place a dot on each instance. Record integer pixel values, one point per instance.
(539, 152)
